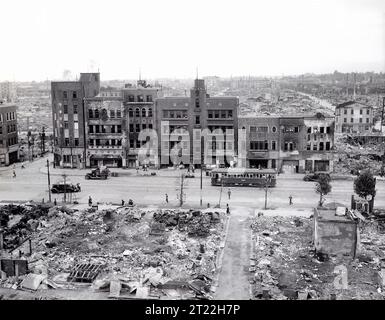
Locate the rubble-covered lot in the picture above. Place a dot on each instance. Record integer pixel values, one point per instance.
(285, 266)
(126, 252)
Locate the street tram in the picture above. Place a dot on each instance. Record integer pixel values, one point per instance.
(243, 177)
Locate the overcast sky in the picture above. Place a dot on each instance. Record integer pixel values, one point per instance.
(170, 38)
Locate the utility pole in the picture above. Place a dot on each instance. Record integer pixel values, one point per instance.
(181, 190)
(202, 160)
(220, 194)
(382, 114)
(65, 187)
(43, 139)
(49, 182)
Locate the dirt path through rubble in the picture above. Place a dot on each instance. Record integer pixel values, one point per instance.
(233, 278)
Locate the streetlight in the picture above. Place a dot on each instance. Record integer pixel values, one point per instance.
(49, 182)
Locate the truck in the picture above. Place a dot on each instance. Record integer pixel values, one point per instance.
(98, 174)
(65, 188)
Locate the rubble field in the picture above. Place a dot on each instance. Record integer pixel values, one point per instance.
(354, 156)
(284, 264)
(126, 252)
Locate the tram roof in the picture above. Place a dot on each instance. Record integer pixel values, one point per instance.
(244, 170)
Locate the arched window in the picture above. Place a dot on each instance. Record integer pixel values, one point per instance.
(144, 112)
(137, 112)
(130, 112)
(150, 112)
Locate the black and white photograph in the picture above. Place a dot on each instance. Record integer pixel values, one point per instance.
(209, 151)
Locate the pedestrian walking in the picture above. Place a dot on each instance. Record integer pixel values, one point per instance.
(227, 209)
(166, 198)
(122, 202)
(14, 173)
(290, 200)
(229, 193)
(54, 202)
(90, 201)
(208, 205)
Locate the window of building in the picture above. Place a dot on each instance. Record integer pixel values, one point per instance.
(223, 114)
(65, 124)
(253, 129)
(150, 112)
(132, 143)
(345, 111)
(96, 113)
(131, 98)
(309, 130)
(74, 94)
(197, 119)
(112, 113)
(328, 130)
(259, 145)
(230, 113)
(119, 128)
(137, 127)
(130, 112)
(322, 129)
(172, 114)
(321, 146)
(308, 146)
(140, 98)
(137, 143)
(327, 145)
(216, 114)
(131, 127)
(360, 120)
(143, 112)
(118, 114)
(262, 129)
(144, 126)
(91, 129)
(149, 98)
(65, 109)
(367, 120)
(66, 142)
(314, 147)
(150, 125)
(65, 95)
(137, 112)
(90, 113)
(75, 109)
(367, 111)
(351, 120)
(197, 105)
(352, 111)
(345, 120)
(97, 129)
(360, 111)
(112, 129)
(273, 145)
(76, 142)
(296, 129)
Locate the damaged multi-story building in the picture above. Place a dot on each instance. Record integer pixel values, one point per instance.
(186, 125)
(287, 143)
(69, 119)
(354, 117)
(9, 145)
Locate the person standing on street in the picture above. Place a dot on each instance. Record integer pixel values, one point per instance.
(14, 173)
(229, 193)
(290, 200)
(166, 198)
(90, 201)
(227, 209)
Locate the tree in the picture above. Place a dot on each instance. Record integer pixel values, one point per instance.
(365, 185)
(323, 187)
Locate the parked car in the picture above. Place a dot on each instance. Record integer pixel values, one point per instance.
(65, 187)
(315, 176)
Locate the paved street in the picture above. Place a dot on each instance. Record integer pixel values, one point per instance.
(31, 184)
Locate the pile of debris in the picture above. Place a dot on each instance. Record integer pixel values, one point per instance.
(285, 266)
(118, 250)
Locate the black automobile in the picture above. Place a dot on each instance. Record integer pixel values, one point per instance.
(65, 188)
(315, 176)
